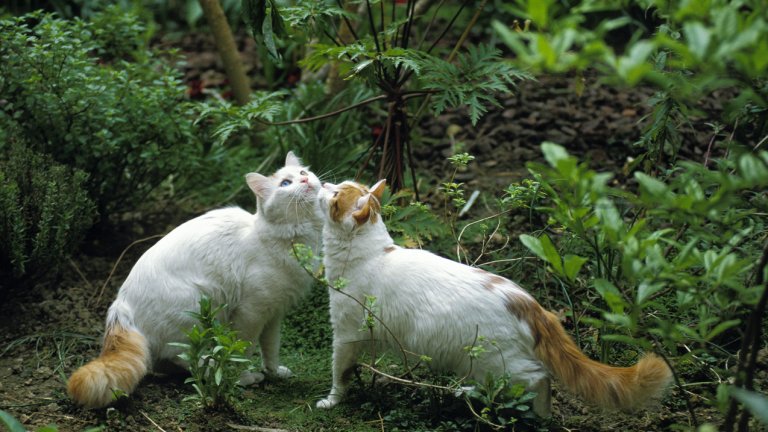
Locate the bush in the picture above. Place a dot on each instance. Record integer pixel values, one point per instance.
(44, 212)
(110, 108)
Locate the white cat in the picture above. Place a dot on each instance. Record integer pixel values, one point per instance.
(437, 307)
(229, 255)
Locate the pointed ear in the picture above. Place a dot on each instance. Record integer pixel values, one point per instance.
(292, 160)
(364, 213)
(377, 190)
(259, 184)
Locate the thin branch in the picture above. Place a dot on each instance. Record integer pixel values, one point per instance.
(254, 428)
(346, 21)
(322, 116)
(114, 267)
(373, 27)
(152, 421)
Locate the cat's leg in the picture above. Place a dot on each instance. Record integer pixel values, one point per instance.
(542, 403)
(344, 360)
(244, 324)
(269, 340)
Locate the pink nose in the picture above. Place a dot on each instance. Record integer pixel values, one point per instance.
(304, 180)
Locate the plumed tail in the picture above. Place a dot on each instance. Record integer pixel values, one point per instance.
(608, 387)
(121, 365)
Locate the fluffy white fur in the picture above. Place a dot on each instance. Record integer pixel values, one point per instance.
(244, 260)
(437, 307)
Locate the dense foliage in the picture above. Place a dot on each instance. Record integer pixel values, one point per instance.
(44, 212)
(93, 97)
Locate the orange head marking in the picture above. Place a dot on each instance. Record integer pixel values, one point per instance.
(355, 199)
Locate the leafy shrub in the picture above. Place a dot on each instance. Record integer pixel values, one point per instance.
(674, 263)
(215, 357)
(688, 51)
(122, 122)
(44, 212)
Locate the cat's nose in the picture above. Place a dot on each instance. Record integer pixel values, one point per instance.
(304, 180)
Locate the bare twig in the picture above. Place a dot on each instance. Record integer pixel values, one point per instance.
(80, 273)
(152, 421)
(114, 267)
(254, 428)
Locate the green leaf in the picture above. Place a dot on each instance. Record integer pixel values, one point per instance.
(646, 289)
(610, 294)
(723, 326)
(755, 402)
(218, 375)
(652, 186)
(573, 264)
(11, 423)
(753, 170)
(698, 37)
(544, 249)
(553, 153)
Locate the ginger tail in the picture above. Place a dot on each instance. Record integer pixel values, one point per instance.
(608, 387)
(121, 365)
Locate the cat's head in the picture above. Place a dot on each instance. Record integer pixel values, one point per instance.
(288, 195)
(351, 204)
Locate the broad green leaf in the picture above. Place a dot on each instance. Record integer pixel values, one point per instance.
(646, 290)
(620, 319)
(573, 264)
(552, 256)
(538, 11)
(553, 153)
(651, 185)
(610, 294)
(11, 423)
(219, 374)
(534, 245)
(753, 170)
(544, 249)
(612, 222)
(755, 402)
(698, 37)
(723, 326)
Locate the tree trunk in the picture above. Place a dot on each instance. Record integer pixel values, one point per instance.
(225, 44)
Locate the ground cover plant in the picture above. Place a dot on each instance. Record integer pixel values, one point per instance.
(624, 185)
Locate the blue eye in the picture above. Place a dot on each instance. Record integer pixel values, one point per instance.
(285, 182)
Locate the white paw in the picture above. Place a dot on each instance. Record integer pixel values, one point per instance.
(249, 378)
(281, 372)
(328, 402)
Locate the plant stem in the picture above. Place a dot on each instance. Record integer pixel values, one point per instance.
(225, 44)
(750, 345)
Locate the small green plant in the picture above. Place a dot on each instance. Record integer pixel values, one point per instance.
(44, 212)
(499, 403)
(215, 357)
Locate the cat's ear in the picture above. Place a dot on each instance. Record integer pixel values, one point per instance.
(377, 190)
(292, 160)
(259, 184)
(364, 212)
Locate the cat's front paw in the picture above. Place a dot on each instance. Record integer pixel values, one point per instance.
(328, 402)
(249, 378)
(281, 372)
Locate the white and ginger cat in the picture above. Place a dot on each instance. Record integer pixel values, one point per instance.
(244, 260)
(437, 307)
